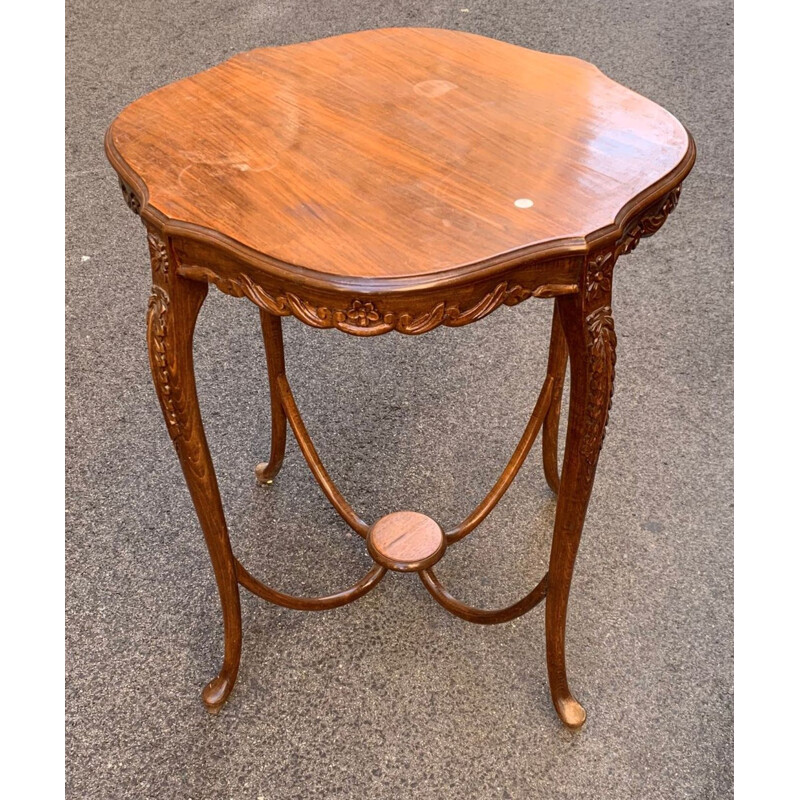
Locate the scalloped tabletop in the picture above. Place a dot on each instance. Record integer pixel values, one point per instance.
(397, 153)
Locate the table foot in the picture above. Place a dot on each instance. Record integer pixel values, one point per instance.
(266, 472)
(570, 711)
(217, 692)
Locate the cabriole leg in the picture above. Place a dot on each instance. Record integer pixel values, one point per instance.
(273, 344)
(171, 318)
(589, 331)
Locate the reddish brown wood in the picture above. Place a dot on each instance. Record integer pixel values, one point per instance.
(406, 541)
(171, 316)
(512, 468)
(397, 152)
(478, 615)
(589, 330)
(394, 209)
(273, 345)
(367, 183)
(556, 371)
(311, 456)
(358, 589)
(386, 306)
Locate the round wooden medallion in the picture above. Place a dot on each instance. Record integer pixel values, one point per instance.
(406, 541)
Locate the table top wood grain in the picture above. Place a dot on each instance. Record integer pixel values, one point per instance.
(398, 154)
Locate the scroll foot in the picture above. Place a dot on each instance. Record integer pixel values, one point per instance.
(571, 711)
(217, 692)
(266, 472)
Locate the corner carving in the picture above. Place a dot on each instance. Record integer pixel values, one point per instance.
(130, 198)
(650, 221)
(601, 336)
(159, 254)
(599, 274)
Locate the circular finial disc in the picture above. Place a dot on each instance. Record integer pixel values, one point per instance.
(406, 541)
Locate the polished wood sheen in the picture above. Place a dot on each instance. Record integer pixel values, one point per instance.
(406, 541)
(396, 152)
(396, 181)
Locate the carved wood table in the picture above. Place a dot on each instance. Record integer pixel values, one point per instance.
(397, 180)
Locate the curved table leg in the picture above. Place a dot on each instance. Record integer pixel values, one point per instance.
(273, 345)
(590, 337)
(556, 368)
(171, 318)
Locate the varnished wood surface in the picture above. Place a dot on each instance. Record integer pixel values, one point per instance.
(357, 590)
(484, 508)
(406, 541)
(276, 366)
(556, 371)
(397, 153)
(478, 615)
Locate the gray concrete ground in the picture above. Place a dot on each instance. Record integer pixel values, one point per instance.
(391, 697)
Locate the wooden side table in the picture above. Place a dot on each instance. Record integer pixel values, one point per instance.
(397, 180)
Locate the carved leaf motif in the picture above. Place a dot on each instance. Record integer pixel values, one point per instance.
(600, 266)
(316, 316)
(649, 222)
(516, 294)
(245, 287)
(422, 323)
(653, 221)
(157, 341)
(602, 344)
(162, 364)
(130, 198)
(489, 303)
(363, 316)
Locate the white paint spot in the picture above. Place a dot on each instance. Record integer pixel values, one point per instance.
(465, 11)
(242, 167)
(86, 258)
(523, 202)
